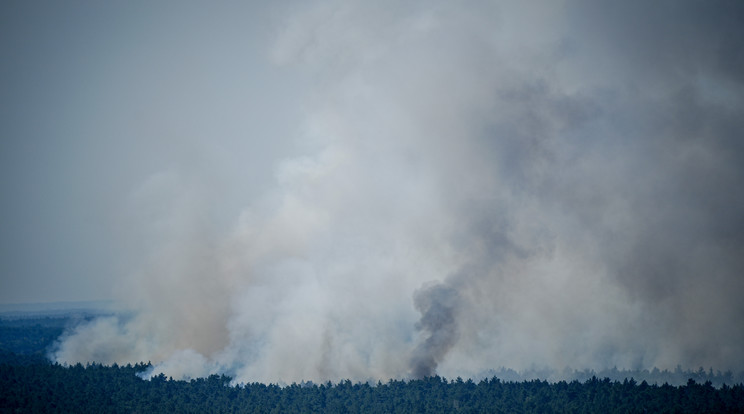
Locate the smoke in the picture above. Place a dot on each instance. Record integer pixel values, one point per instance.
(573, 183)
(437, 304)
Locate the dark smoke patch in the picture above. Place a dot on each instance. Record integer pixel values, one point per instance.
(438, 307)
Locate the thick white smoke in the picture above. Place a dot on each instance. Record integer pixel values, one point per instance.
(449, 147)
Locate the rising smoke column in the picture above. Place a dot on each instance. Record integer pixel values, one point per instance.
(437, 304)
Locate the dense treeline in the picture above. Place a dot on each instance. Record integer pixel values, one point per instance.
(46, 387)
(30, 383)
(678, 376)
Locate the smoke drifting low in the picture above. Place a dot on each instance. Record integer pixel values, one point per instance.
(569, 174)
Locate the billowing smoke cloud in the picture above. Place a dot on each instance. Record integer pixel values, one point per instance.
(570, 171)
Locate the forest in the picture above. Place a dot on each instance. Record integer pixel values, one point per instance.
(31, 383)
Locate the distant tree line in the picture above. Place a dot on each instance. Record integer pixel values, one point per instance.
(53, 388)
(678, 376)
(30, 336)
(30, 383)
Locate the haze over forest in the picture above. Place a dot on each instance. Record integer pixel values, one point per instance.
(326, 190)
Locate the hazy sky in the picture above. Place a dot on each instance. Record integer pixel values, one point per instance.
(99, 98)
(396, 188)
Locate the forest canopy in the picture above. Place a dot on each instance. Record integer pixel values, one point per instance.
(31, 383)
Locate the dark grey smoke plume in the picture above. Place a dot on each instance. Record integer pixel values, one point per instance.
(438, 306)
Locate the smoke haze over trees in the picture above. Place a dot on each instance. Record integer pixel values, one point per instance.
(343, 189)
